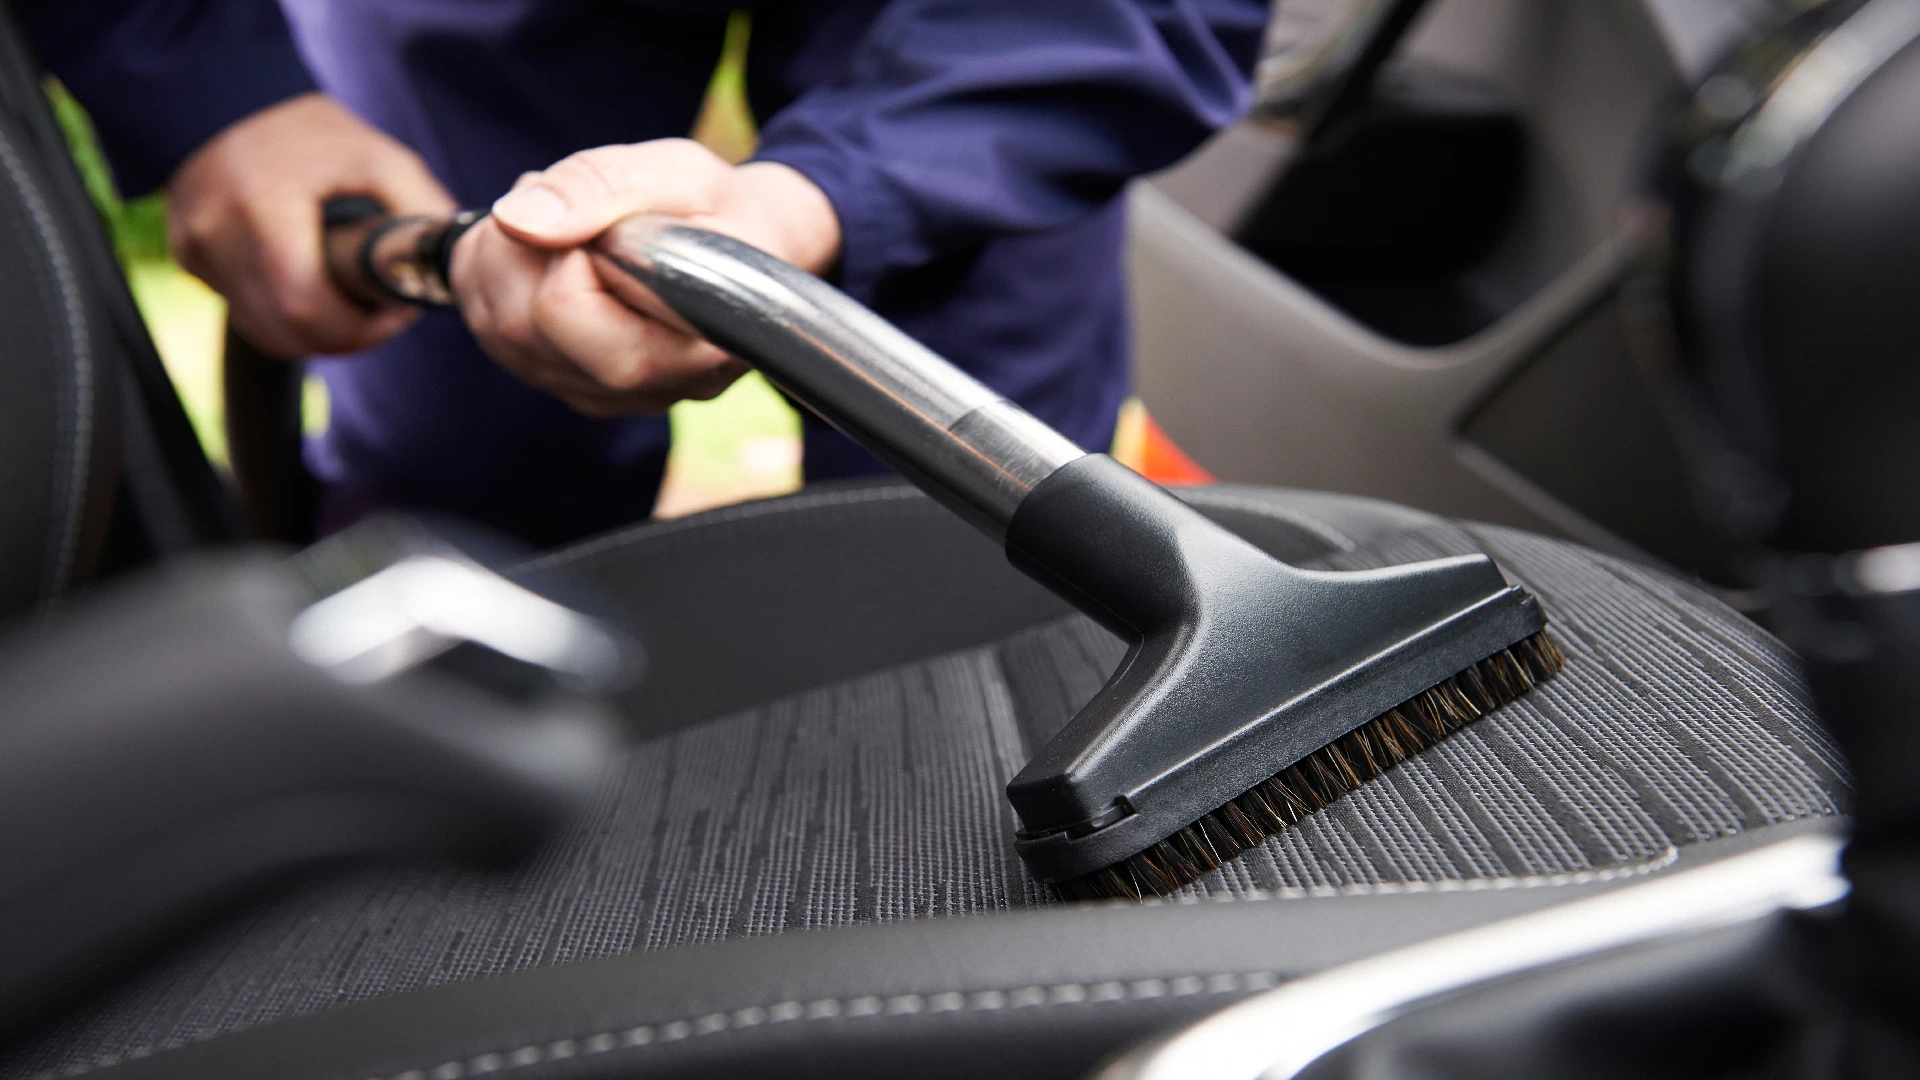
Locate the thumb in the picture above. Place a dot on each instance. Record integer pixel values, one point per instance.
(577, 198)
(535, 212)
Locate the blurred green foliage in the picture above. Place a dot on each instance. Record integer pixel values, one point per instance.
(725, 123)
(185, 319)
(139, 225)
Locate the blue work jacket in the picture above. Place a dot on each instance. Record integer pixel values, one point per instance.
(973, 150)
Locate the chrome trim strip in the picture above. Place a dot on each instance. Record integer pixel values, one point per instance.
(1891, 569)
(424, 605)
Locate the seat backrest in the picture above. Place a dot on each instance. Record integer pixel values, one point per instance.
(99, 467)
(56, 394)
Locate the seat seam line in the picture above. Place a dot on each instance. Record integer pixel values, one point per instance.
(1666, 858)
(854, 1007)
(655, 530)
(79, 372)
(651, 531)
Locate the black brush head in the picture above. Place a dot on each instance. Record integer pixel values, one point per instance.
(1321, 778)
(1241, 666)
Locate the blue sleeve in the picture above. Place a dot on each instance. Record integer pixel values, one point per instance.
(160, 77)
(957, 120)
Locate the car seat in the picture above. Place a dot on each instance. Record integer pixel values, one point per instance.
(802, 863)
(97, 459)
(846, 680)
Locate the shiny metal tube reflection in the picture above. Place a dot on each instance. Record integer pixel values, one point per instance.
(958, 439)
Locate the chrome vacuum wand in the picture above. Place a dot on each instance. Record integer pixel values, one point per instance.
(961, 442)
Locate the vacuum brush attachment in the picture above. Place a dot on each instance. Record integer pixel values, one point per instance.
(1253, 693)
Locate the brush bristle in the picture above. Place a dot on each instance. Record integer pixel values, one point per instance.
(1325, 775)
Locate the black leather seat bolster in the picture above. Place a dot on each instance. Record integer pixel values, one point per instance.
(1041, 992)
(751, 603)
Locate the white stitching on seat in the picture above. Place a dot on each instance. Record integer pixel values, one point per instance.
(864, 1006)
(861, 1007)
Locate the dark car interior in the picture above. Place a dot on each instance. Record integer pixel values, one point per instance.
(1463, 283)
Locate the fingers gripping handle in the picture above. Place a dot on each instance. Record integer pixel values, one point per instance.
(962, 442)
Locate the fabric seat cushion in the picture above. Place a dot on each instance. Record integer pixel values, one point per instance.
(877, 797)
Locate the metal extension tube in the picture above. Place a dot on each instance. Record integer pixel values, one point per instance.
(962, 442)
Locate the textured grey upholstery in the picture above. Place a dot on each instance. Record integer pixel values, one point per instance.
(878, 797)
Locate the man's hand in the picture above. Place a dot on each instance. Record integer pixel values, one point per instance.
(532, 297)
(245, 218)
